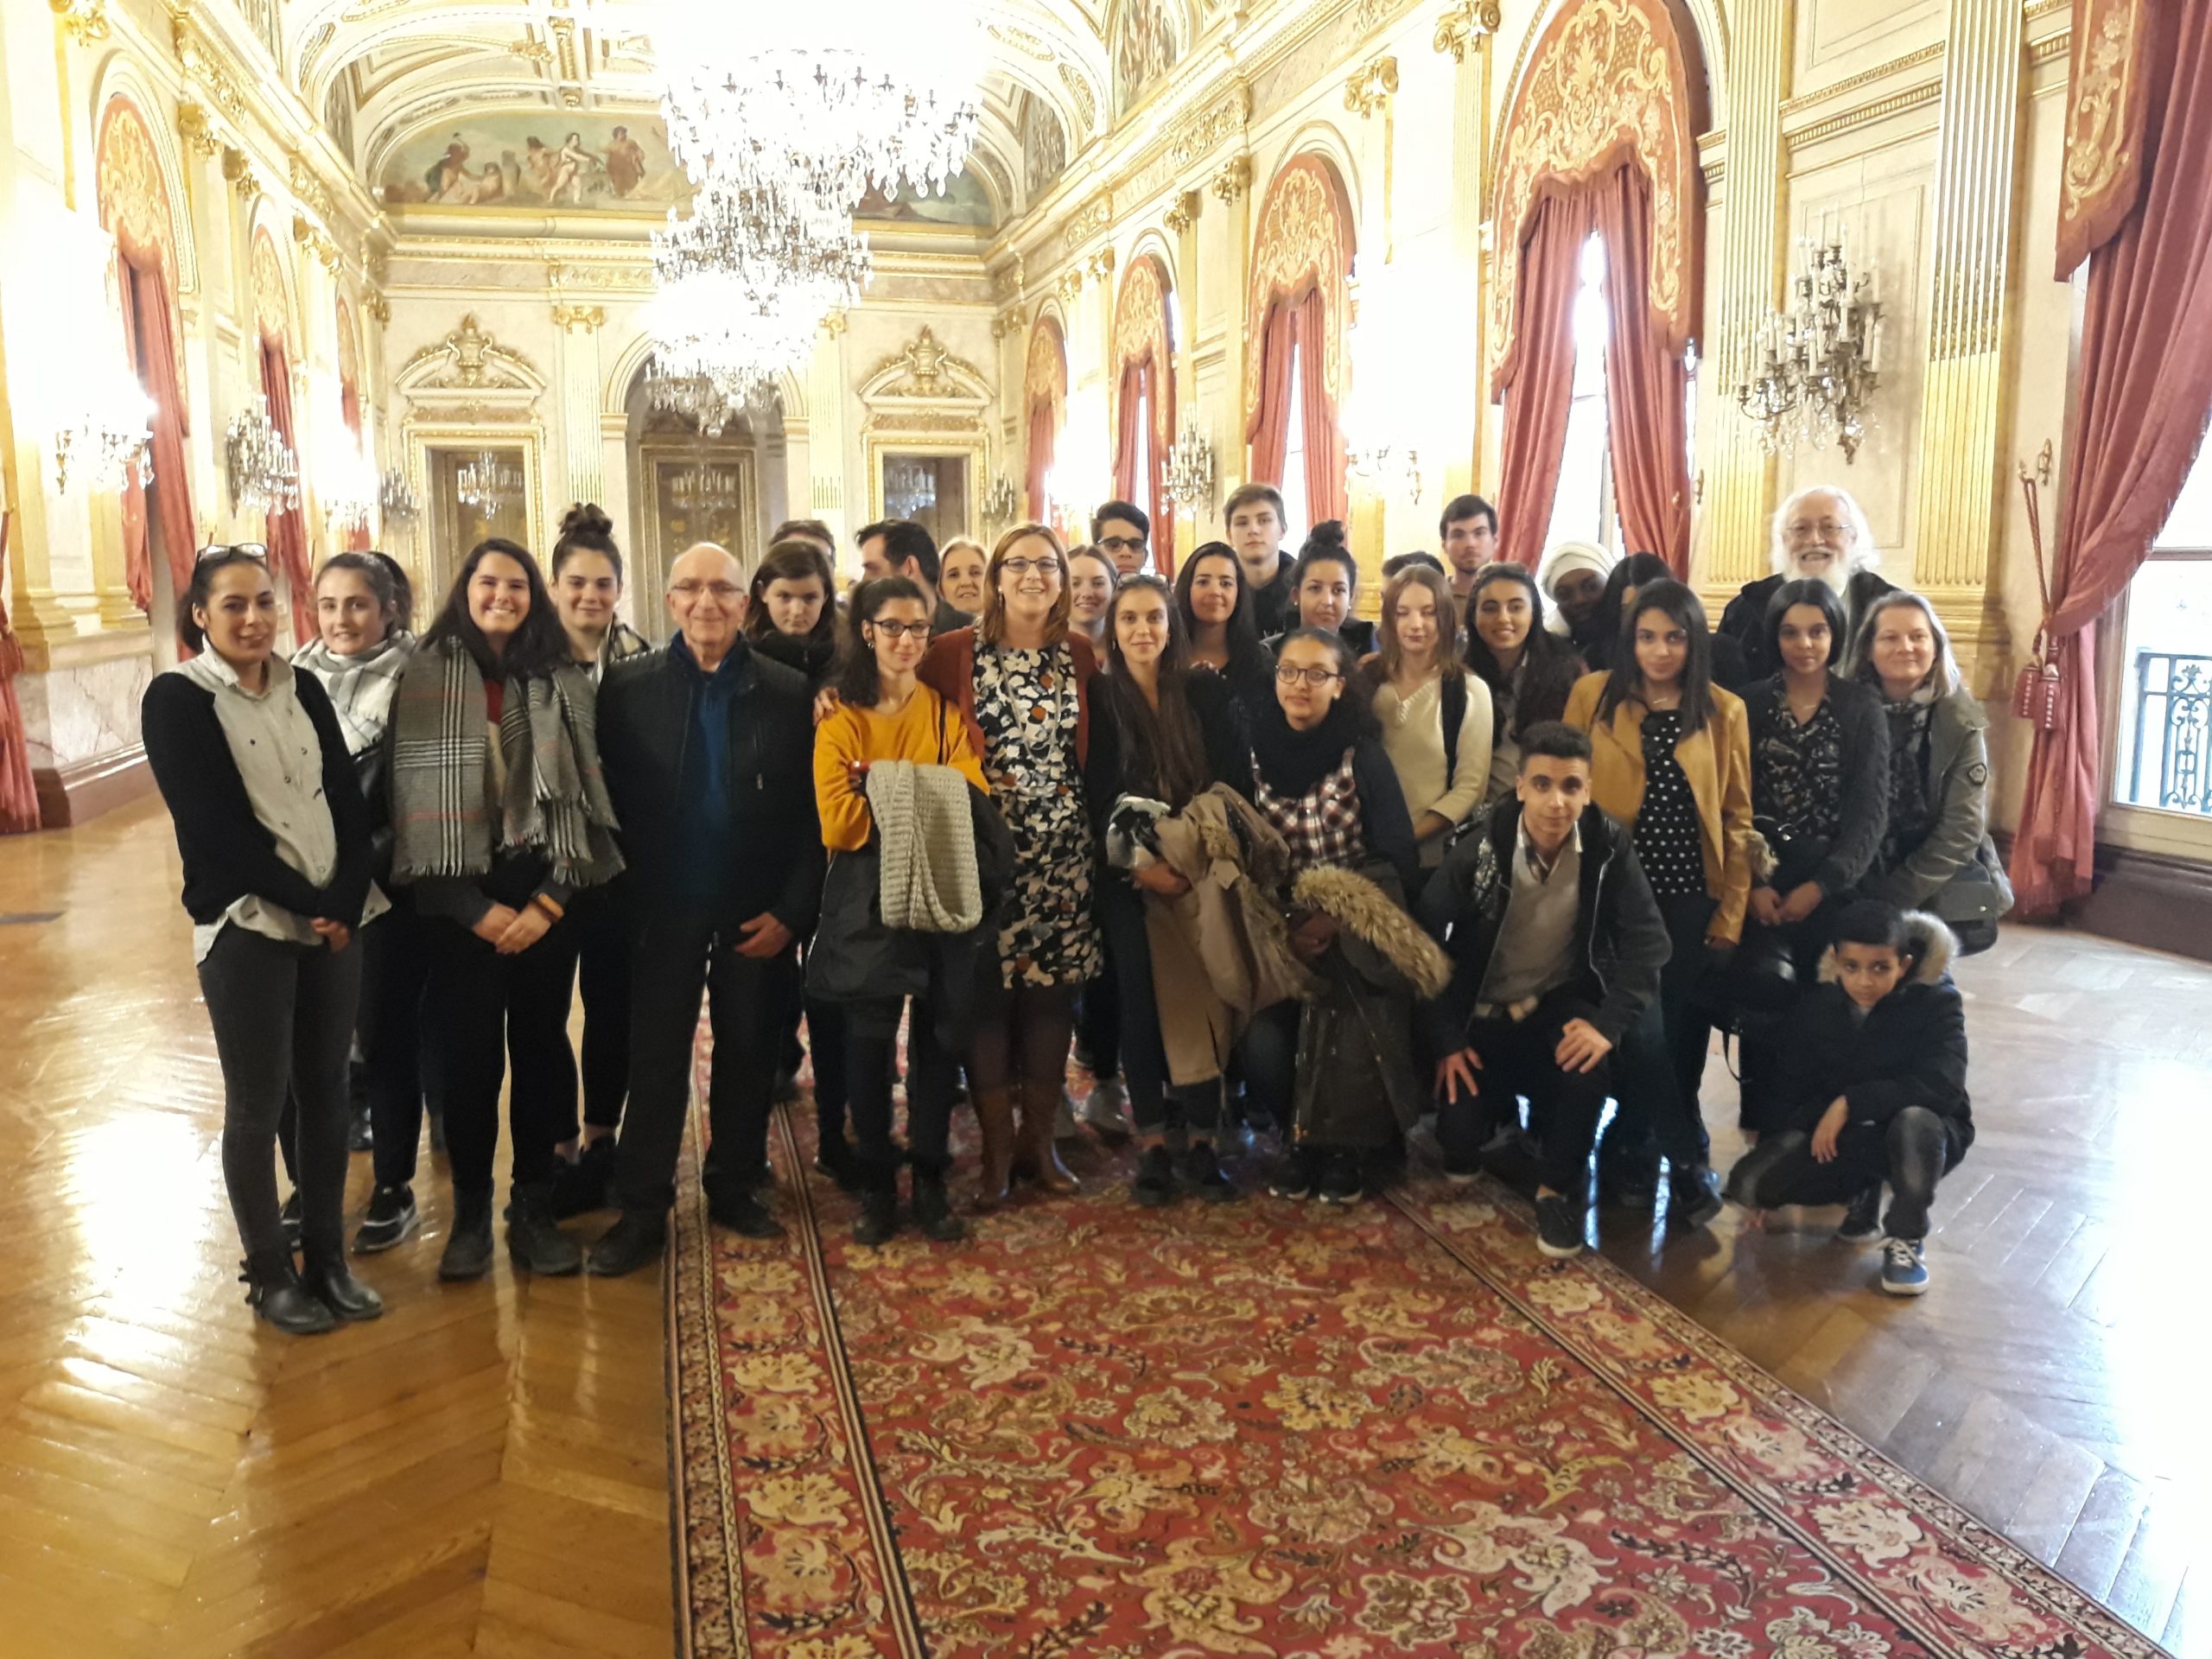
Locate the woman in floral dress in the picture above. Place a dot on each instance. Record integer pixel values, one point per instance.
(1022, 680)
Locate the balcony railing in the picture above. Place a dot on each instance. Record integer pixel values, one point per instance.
(2173, 732)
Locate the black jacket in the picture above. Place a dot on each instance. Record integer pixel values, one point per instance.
(1910, 1049)
(1744, 620)
(1620, 939)
(1865, 805)
(1274, 606)
(1220, 725)
(227, 851)
(647, 712)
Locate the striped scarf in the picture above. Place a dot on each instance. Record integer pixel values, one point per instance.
(553, 801)
(361, 687)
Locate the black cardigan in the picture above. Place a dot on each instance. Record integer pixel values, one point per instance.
(228, 853)
(1866, 806)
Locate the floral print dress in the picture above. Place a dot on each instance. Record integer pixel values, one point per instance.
(1026, 702)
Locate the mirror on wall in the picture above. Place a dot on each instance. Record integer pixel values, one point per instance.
(931, 490)
(476, 492)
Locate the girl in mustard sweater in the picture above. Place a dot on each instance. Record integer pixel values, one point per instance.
(887, 714)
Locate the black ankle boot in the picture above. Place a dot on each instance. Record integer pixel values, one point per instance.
(1693, 1195)
(933, 1210)
(536, 1244)
(331, 1282)
(468, 1251)
(878, 1219)
(275, 1294)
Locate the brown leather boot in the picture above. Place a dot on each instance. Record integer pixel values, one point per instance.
(1040, 1154)
(995, 1119)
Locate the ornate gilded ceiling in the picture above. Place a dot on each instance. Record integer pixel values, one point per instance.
(393, 76)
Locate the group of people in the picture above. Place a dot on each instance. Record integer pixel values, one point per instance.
(1269, 869)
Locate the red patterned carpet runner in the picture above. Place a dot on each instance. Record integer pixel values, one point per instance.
(1278, 1430)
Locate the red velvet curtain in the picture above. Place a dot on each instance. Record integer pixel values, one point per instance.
(1537, 381)
(1646, 384)
(1040, 456)
(1268, 426)
(287, 533)
(18, 794)
(147, 321)
(2142, 401)
(1159, 400)
(1327, 496)
(1128, 424)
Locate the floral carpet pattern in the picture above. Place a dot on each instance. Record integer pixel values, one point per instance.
(1280, 1430)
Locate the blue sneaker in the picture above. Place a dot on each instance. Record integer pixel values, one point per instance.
(1904, 1268)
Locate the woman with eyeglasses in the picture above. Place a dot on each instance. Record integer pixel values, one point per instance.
(587, 582)
(1219, 621)
(1671, 759)
(502, 819)
(1528, 669)
(275, 837)
(791, 618)
(1322, 778)
(1021, 678)
(885, 713)
(364, 606)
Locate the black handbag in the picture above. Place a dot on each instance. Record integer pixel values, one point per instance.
(1756, 986)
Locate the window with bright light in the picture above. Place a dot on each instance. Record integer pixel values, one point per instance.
(1140, 491)
(2165, 751)
(1295, 506)
(1582, 507)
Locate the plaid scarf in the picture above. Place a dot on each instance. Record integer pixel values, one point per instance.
(361, 687)
(1323, 827)
(554, 803)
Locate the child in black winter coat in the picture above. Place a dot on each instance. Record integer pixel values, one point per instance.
(1873, 1087)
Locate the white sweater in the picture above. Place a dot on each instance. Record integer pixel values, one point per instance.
(1413, 736)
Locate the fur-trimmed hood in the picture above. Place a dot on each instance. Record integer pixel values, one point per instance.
(1357, 905)
(1937, 944)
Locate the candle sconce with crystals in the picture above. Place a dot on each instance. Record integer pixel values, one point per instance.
(705, 489)
(1814, 367)
(1000, 503)
(1189, 480)
(108, 436)
(348, 494)
(396, 498)
(264, 475)
(487, 483)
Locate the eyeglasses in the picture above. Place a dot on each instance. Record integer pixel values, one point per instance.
(1291, 674)
(1121, 543)
(902, 630)
(216, 549)
(725, 592)
(1827, 529)
(1020, 567)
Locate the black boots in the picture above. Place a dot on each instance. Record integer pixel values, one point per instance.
(331, 1282)
(534, 1241)
(878, 1220)
(1693, 1195)
(635, 1240)
(275, 1294)
(933, 1208)
(468, 1251)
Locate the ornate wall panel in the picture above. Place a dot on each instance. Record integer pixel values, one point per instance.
(1140, 329)
(1609, 82)
(1305, 239)
(1046, 373)
(271, 304)
(134, 199)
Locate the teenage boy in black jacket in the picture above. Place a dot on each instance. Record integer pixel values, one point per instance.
(1873, 1087)
(1556, 945)
(708, 748)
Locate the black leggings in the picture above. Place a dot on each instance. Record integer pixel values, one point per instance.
(1021, 1036)
(497, 1015)
(283, 1015)
(871, 1036)
(1913, 1151)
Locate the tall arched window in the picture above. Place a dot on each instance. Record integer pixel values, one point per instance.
(1295, 380)
(1044, 395)
(1144, 413)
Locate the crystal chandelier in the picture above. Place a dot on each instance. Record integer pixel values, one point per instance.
(349, 491)
(487, 483)
(1189, 480)
(108, 433)
(1000, 501)
(397, 496)
(1815, 372)
(705, 489)
(264, 475)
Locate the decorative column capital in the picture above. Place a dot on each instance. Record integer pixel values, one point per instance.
(375, 305)
(1070, 283)
(1102, 265)
(239, 169)
(586, 319)
(1233, 179)
(86, 19)
(1466, 27)
(1371, 85)
(1184, 212)
(835, 323)
(192, 126)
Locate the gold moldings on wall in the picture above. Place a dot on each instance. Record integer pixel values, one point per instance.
(1371, 85)
(1465, 25)
(1304, 240)
(584, 319)
(1045, 373)
(1092, 217)
(86, 19)
(193, 127)
(1086, 101)
(1932, 52)
(1865, 115)
(203, 61)
(239, 171)
(1233, 178)
(1071, 284)
(1184, 212)
(470, 359)
(1211, 127)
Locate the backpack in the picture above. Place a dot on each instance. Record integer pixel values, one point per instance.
(1454, 712)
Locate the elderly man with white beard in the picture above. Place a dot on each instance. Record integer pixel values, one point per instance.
(1820, 533)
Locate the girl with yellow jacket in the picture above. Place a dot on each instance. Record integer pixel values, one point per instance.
(1671, 760)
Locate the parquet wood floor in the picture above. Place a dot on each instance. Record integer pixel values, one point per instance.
(484, 1470)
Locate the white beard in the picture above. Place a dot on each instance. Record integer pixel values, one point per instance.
(1836, 573)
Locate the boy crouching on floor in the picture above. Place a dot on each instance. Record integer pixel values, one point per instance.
(1873, 1087)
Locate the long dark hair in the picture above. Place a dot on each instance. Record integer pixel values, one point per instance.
(1241, 632)
(394, 595)
(1673, 600)
(1163, 751)
(1806, 591)
(585, 527)
(538, 647)
(1550, 665)
(793, 560)
(1637, 570)
(203, 585)
(858, 682)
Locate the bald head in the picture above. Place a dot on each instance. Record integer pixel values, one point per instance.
(706, 601)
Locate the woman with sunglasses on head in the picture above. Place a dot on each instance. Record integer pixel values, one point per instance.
(1164, 734)
(587, 580)
(364, 612)
(791, 618)
(1219, 621)
(502, 819)
(275, 837)
(886, 714)
(1529, 670)
(1021, 678)
(1671, 760)
(1321, 777)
